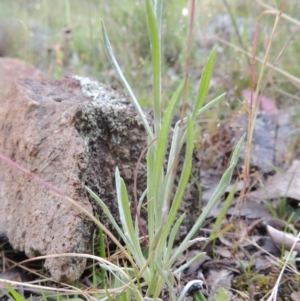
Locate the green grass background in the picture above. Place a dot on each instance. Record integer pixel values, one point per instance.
(28, 29)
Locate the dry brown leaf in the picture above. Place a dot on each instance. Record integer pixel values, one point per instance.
(266, 244)
(217, 279)
(271, 139)
(261, 262)
(250, 209)
(195, 266)
(280, 185)
(223, 252)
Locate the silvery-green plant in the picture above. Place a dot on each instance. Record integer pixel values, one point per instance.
(154, 272)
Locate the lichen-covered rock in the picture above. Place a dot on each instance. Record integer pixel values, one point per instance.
(71, 133)
(113, 137)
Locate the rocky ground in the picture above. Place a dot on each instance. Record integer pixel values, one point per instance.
(74, 132)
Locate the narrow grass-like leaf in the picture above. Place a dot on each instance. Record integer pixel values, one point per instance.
(205, 108)
(210, 104)
(224, 182)
(123, 204)
(126, 219)
(198, 296)
(14, 293)
(164, 281)
(173, 234)
(106, 212)
(152, 254)
(162, 144)
(184, 178)
(156, 64)
(176, 133)
(174, 145)
(69, 299)
(204, 82)
(119, 286)
(186, 170)
(166, 126)
(153, 285)
(171, 173)
(150, 192)
(103, 255)
(227, 203)
(158, 14)
(132, 97)
(122, 282)
(136, 293)
(116, 268)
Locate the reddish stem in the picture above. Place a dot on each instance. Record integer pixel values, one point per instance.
(30, 174)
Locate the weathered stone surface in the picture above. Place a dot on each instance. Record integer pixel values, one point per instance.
(69, 140)
(37, 132)
(12, 69)
(71, 133)
(114, 137)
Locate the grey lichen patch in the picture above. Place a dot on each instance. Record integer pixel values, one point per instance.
(101, 94)
(106, 116)
(113, 137)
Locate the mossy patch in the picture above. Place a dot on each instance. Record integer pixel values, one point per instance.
(262, 284)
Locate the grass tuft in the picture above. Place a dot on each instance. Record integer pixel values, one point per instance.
(162, 204)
